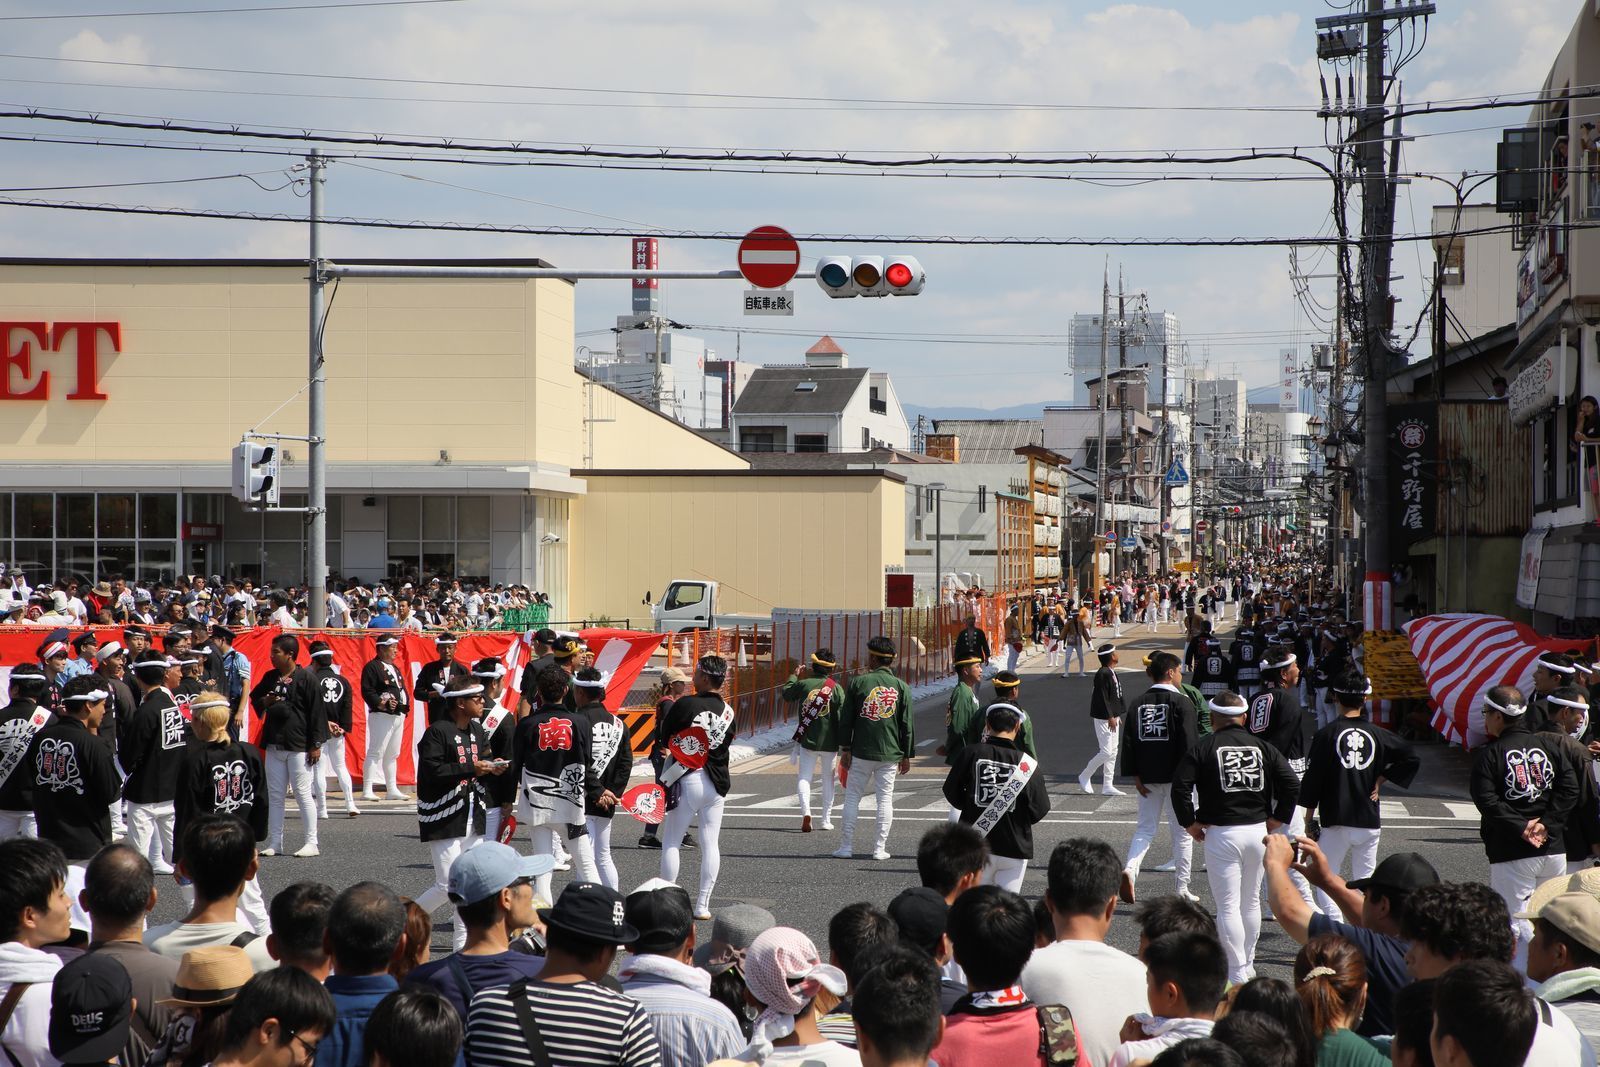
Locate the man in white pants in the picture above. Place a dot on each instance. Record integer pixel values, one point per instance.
(1105, 711)
(1246, 789)
(292, 732)
(1158, 729)
(333, 704)
(452, 761)
(877, 738)
(1350, 759)
(551, 753)
(388, 704)
(818, 700)
(1525, 790)
(702, 722)
(993, 787)
(153, 757)
(21, 719)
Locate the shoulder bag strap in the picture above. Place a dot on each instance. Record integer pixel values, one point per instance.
(8, 1007)
(463, 983)
(244, 939)
(530, 1027)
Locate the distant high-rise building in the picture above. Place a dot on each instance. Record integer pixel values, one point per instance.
(1150, 339)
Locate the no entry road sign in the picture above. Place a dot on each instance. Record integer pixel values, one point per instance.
(769, 257)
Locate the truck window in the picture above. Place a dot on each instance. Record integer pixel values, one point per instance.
(685, 595)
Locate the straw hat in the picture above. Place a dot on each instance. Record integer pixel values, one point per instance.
(1585, 881)
(210, 976)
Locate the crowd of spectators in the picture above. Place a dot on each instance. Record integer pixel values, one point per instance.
(950, 971)
(407, 604)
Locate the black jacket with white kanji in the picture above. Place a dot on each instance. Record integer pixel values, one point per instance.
(286, 705)
(1106, 701)
(1240, 780)
(379, 678)
(1583, 828)
(19, 721)
(1347, 758)
(1158, 729)
(75, 781)
(120, 710)
(1277, 718)
(221, 778)
(530, 677)
(1519, 776)
(551, 753)
(1213, 671)
(502, 788)
(333, 698)
(1246, 655)
(610, 757)
(156, 744)
(979, 772)
(451, 800)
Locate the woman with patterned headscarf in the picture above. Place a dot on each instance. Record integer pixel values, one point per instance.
(785, 977)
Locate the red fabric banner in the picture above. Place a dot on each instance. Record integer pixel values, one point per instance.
(621, 653)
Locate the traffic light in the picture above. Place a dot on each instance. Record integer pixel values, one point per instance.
(846, 276)
(1236, 511)
(255, 473)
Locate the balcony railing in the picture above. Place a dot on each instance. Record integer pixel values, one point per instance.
(878, 407)
(1588, 185)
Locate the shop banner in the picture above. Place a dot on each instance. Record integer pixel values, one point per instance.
(621, 653)
(1413, 475)
(1528, 567)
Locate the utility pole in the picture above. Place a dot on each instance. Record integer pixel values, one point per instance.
(1125, 459)
(316, 430)
(1163, 463)
(1100, 465)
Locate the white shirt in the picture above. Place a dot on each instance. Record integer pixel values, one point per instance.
(172, 940)
(1560, 1044)
(338, 611)
(1168, 1032)
(823, 1054)
(281, 618)
(1099, 984)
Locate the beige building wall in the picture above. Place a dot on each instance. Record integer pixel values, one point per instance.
(792, 540)
(209, 351)
(626, 435)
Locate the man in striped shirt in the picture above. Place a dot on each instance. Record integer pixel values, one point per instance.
(565, 1012)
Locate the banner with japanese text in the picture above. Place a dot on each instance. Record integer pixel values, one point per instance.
(1413, 475)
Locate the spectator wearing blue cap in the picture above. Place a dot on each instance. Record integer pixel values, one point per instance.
(491, 886)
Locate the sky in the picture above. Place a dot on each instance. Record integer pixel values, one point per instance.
(990, 328)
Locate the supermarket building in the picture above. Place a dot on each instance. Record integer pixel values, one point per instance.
(461, 440)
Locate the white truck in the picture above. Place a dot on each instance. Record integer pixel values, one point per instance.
(693, 604)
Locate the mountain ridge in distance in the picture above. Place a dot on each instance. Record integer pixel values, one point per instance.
(1014, 411)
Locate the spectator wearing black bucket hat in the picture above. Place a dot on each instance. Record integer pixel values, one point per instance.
(565, 1013)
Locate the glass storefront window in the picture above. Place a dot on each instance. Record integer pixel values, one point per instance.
(75, 515)
(5, 517)
(438, 560)
(76, 559)
(37, 560)
(239, 524)
(35, 515)
(157, 560)
(405, 518)
(158, 515)
(472, 561)
(117, 511)
(285, 561)
(404, 560)
(118, 558)
(472, 518)
(438, 518)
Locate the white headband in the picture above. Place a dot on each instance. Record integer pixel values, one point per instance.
(1226, 709)
(1274, 666)
(204, 704)
(386, 642)
(1566, 703)
(498, 672)
(596, 683)
(1559, 668)
(1364, 693)
(54, 648)
(165, 663)
(107, 650)
(469, 691)
(444, 641)
(88, 698)
(1510, 711)
(322, 652)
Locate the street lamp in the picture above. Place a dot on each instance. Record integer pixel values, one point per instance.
(938, 488)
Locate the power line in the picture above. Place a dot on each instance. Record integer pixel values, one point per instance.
(728, 235)
(157, 181)
(214, 11)
(888, 102)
